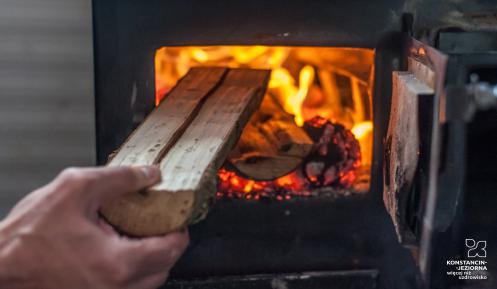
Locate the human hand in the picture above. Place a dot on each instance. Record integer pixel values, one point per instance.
(55, 238)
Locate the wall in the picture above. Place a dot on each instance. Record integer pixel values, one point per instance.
(46, 92)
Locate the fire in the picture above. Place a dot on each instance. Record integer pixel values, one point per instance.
(331, 141)
(334, 83)
(361, 129)
(284, 188)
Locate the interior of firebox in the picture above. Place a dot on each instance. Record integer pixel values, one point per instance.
(318, 101)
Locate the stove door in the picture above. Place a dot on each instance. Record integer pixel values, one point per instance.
(413, 149)
(432, 144)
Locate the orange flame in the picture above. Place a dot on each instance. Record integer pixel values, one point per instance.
(306, 81)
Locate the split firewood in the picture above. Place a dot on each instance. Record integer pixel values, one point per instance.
(189, 135)
(271, 145)
(160, 130)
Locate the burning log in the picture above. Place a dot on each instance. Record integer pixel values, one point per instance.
(271, 145)
(189, 135)
(336, 157)
(334, 162)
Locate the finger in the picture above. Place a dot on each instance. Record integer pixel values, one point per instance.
(156, 254)
(102, 185)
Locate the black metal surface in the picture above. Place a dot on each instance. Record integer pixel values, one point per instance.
(462, 146)
(480, 200)
(352, 232)
(348, 233)
(467, 42)
(359, 279)
(239, 237)
(127, 33)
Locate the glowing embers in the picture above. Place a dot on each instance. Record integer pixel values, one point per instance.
(334, 163)
(334, 84)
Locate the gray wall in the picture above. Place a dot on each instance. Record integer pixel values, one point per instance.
(46, 93)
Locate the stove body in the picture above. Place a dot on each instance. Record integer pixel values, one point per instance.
(346, 241)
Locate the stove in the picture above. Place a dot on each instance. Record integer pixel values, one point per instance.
(412, 83)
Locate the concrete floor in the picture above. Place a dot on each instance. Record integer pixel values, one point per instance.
(46, 93)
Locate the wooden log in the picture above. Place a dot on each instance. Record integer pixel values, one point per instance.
(271, 145)
(151, 140)
(190, 164)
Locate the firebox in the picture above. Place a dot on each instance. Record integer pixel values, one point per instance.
(327, 91)
(395, 96)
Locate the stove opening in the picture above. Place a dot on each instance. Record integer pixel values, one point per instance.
(325, 92)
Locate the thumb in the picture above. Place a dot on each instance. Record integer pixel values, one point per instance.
(113, 182)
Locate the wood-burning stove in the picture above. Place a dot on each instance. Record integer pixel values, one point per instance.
(347, 240)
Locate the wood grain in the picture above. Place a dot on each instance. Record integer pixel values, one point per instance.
(151, 140)
(189, 167)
